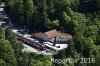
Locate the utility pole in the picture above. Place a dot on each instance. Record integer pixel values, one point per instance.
(55, 41)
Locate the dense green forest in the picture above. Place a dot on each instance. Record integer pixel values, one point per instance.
(80, 18)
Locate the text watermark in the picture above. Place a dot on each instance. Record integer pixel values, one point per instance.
(70, 60)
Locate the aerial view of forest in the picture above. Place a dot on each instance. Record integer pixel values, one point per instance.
(49, 32)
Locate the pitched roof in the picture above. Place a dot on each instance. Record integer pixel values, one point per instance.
(39, 35)
(52, 33)
(47, 35)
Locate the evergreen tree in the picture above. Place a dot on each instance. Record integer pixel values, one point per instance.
(7, 53)
(29, 8)
(2, 33)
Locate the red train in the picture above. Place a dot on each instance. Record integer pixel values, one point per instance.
(29, 41)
